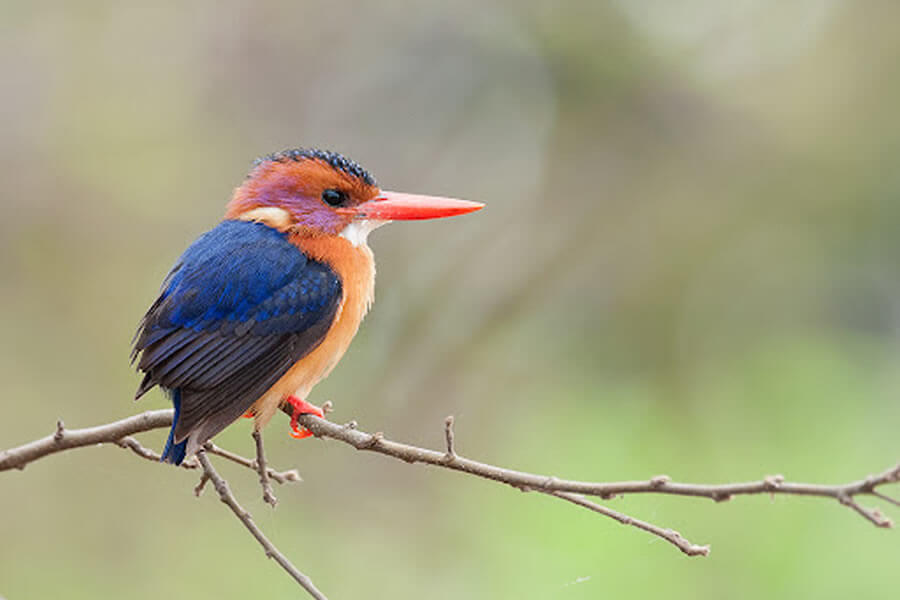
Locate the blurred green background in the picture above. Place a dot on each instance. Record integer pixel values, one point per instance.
(688, 265)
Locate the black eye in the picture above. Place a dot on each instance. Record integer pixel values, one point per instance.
(333, 197)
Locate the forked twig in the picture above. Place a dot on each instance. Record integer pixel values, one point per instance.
(225, 495)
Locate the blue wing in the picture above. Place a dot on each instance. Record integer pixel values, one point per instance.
(237, 310)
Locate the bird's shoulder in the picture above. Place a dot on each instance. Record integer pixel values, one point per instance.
(247, 276)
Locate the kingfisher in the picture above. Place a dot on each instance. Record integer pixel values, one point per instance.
(262, 307)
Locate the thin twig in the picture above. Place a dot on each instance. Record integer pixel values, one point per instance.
(448, 437)
(269, 548)
(669, 535)
(289, 476)
(130, 443)
(204, 479)
(871, 514)
(261, 468)
(885, 497)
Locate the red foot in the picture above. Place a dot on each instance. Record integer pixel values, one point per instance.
(248, 415)
(302, 407)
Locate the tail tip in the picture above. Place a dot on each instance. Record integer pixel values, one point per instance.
(174, 453)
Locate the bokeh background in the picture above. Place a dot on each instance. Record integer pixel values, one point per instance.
(688, 265)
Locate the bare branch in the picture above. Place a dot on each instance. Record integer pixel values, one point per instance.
(269, 548)
(65, 439)
(661, 484)
(120, 432)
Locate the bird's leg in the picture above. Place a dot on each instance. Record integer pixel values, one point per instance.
(301, 407)
(263, 470)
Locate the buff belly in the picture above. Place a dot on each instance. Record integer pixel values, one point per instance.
(356, 268)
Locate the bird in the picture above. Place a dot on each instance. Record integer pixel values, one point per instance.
(261, 308)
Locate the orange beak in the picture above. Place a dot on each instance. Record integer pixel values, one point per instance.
(397, 206)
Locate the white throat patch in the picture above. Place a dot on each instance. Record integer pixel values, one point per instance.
(357, 232)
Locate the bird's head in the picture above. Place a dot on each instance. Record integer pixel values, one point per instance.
(316, 192)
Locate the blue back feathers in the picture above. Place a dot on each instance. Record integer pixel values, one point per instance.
(245, 277)
(238, 309)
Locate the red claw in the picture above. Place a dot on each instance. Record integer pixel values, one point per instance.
(302, 407)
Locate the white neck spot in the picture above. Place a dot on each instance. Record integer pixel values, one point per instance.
(357, 232)
(274, 217)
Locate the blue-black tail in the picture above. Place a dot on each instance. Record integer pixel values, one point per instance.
(174, 453)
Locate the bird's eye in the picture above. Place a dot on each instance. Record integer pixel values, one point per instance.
(333, 197)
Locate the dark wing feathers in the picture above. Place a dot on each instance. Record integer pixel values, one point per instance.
(214, 409)
(160, 346)
(237, 310)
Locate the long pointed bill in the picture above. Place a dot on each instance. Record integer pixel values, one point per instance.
(397, 206)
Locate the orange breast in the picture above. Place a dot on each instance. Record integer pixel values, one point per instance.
(356, 268)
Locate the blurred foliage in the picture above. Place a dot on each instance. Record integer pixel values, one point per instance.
(687, 266)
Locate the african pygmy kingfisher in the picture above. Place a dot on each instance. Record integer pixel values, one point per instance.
(262, 307)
